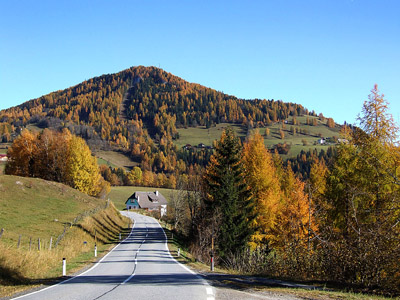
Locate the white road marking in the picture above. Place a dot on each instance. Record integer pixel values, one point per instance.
(209, 290)
(129, 278)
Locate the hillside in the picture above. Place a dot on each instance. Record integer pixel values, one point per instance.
(147, 115)
(34, 211)
(27, 204)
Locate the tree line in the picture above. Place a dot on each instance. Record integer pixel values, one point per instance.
(56, 156)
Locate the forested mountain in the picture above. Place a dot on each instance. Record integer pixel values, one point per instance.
(138, 111)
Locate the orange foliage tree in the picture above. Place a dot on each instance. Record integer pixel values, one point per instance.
(260, 176)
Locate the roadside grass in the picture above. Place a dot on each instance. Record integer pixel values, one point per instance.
(25, 267)
(200, 134)
(176, 242)
(119, 194)
(115, 159)
(324, 295)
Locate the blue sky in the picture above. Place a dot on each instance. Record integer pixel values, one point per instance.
(324, 54)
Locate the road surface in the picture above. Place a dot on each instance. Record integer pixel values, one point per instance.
(141, 267)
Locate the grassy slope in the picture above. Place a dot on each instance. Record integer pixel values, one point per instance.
(200, 134)
(29, 207)
(114, 159)
(119, 194)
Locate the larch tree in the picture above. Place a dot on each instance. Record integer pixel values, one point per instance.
(293, 216)
(260, 176)
(363, 198)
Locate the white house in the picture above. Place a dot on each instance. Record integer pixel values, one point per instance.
(150, 201)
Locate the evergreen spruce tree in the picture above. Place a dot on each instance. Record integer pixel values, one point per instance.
(228, 199)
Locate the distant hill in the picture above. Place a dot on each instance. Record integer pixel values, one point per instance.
(143, 112)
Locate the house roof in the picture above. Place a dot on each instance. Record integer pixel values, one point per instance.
(148, 199)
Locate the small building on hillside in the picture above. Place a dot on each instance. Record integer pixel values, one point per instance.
(150, 201)
(3, 157)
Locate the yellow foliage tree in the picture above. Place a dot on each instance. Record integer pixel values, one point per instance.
(135, 176)
(260, 176)
(82, 169)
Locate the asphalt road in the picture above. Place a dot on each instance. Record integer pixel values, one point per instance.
(141, 267)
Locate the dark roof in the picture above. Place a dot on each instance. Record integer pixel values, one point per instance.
(148, 199)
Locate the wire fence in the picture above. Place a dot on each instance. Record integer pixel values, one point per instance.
(42, 244)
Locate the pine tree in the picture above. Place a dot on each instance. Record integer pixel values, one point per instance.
(228, 198)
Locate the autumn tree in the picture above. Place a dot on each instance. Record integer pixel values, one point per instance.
(267, 132)
(330, 123)
(260, 176)
(52, 155)
(281, 134)
(135, 176)
(21, 155)
(363, 200)
(82, 169)
(57, 156)
(293, 217)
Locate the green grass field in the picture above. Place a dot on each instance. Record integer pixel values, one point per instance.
(37, 208)
(119, 194)
(201, 134)
(114, 159)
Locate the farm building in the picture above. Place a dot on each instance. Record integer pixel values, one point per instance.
(150, 201)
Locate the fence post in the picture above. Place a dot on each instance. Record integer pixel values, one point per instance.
(51, 242)
(1, 232)
(179, 252)
(95, 250)
(38, 244)
(19, 240)
(120, 236)
(30, 243)
(64, 267)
